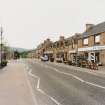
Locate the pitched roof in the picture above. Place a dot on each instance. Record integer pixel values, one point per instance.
(96, 29)
(76, 36)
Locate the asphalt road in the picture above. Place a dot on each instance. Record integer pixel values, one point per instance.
(58, 85)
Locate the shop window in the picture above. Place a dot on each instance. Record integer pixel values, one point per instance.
(97, 57)
(86, 56)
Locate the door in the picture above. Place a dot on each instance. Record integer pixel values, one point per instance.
(92, 56)
(97, 57)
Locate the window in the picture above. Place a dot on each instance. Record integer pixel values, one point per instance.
(97, 39)
(61, 43)
(85, 41)
(66, 43)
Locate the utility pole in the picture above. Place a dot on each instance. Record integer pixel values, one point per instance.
(1, 33)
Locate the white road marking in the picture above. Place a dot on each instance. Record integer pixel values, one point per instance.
(96, 85)
(38, 86)
(31, 90)
(68, 74)
(74, 76)
(49, 97)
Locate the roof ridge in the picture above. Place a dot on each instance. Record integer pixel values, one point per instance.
(98, 28)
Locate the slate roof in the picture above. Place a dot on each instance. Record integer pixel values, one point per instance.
(76, 36)
(96, 29)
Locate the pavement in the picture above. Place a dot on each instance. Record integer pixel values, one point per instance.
(14, 86)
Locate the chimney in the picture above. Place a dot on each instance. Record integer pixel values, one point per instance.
(89, 26)
(48, 40)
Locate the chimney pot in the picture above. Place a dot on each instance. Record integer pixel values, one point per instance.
(88, 26)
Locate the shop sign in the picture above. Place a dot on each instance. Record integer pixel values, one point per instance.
(48, 52)
(94, 48)
(72, 51)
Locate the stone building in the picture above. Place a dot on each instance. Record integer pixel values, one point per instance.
(92, 43)
(73, 47)
(60, 50)
(64, 49)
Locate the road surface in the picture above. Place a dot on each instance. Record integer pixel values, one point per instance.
(59, 85)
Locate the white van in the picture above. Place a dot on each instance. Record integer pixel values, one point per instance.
(44, 58)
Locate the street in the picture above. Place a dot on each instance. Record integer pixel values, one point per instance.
(52, 52)
(58, 85)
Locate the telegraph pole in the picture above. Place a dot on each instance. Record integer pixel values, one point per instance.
(1, 33)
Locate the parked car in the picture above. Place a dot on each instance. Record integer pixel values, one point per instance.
(3, 61)
(59, 60)
(51, 59)
(44, 58)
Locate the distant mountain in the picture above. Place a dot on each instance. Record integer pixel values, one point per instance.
(18, 49)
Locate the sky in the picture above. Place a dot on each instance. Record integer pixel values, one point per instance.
(27, 23)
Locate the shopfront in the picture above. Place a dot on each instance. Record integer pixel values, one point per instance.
(61, 55)
(50, 54)
(72, 56)
(94, 54)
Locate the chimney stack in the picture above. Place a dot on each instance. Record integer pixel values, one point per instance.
(89, 26)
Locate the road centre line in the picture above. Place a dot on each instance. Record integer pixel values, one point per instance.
(38, 86)
(74, 76)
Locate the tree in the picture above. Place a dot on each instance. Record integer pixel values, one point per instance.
(24, 54)
(16, 55)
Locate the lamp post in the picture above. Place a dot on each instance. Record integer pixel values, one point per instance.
(1, 33)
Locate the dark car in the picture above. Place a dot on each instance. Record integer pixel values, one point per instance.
(3, 61)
